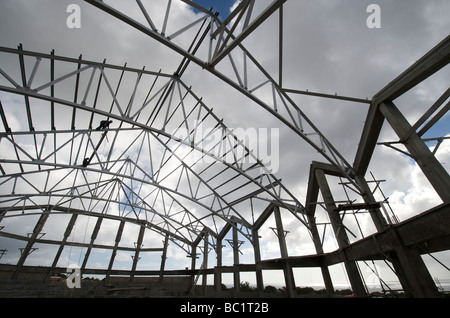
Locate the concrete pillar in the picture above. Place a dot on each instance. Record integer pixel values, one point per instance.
(430, 166)
(340, 233)
(163, 259)
(236, 274)
(310, 206)
(93, 237)
(288, 273)
(61, 246)
(217, 270)
(114, 252)
(412, 271)
(377, 217)
(193, 264)
(319, 250)
(136, 253)
(258, 272)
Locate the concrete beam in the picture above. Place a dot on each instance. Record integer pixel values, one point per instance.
(263, 217)
(431, 167)
(429, 230)
(427, 65)
(430, 63)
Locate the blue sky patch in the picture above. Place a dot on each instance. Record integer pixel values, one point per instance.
(221, 6)
(439, 129)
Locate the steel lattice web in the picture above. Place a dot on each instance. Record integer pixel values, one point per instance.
(134, 152)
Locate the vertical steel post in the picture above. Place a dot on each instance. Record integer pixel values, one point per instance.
(205, 263)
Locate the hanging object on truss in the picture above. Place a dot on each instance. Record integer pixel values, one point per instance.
(104, 125)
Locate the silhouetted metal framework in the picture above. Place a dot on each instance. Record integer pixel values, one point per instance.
(137, 154)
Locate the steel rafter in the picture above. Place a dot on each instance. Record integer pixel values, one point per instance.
(279, 105)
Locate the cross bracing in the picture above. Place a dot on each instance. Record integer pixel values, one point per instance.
(151, 159)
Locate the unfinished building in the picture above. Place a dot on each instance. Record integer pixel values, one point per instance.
(133, 153)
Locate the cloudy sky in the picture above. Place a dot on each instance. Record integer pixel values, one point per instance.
(328, 48)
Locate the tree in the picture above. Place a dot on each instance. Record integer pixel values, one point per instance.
(245, 287)
(270, 289)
